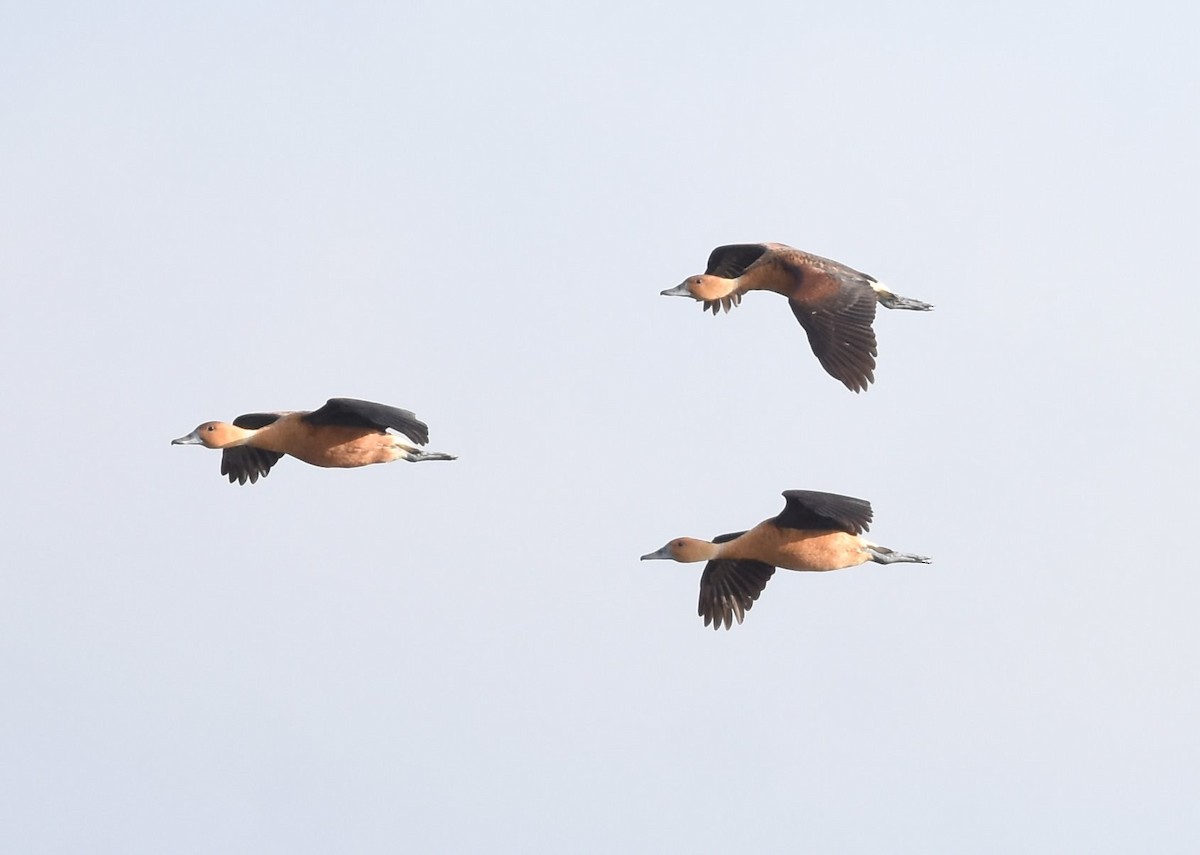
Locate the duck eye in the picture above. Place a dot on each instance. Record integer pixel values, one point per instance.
(211, 428)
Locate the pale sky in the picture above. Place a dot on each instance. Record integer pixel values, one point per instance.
(469, 210)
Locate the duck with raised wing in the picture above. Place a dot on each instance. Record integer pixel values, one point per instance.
(344, 433)
(815, 531)
(835, 304)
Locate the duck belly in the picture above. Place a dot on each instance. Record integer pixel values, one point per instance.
(829, 550)
(343, 448)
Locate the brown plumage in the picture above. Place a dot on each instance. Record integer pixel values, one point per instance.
(815, 531)
(344, 433)
(834, 303)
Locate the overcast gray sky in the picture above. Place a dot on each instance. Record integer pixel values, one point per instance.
(468, 210)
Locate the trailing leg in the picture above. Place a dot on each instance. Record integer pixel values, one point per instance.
(416, 456)
(894, 301)
(883, 555)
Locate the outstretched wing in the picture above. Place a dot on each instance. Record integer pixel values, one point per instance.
(351, 412)
(809, 510)
(244, 463)
(731, 261)
(840, 335)
(836, 306)
(729, 587)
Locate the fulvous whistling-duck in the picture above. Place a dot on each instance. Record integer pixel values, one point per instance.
(344, 433)
(815, 531)
(834, 303)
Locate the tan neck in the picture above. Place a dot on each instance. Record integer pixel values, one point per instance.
(694, 549)
(235, 436)
(714, 287)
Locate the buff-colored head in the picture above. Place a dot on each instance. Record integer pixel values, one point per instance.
(214, 435)
(702, 287)
(685, 550)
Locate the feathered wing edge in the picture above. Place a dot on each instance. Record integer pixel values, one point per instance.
(729, 301)
(842, 338)
(732, 260)
(352, 412)
(729, 587)
(244, 463)
(811, 510)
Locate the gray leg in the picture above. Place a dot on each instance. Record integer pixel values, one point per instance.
(418, 456)
(883, 555)
(895, 301)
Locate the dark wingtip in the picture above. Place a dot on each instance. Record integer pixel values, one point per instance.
(856, 383)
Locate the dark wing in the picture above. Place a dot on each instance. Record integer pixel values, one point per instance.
(254, 421)
(725, 538)
(836, 306)
(808, 510)
(729, 587)
(350, 412)
(730, 262)
(244, 463)
(840, 334)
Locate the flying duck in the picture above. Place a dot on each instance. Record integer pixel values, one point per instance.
(815, 531)
(834, 303)
(344, 433)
